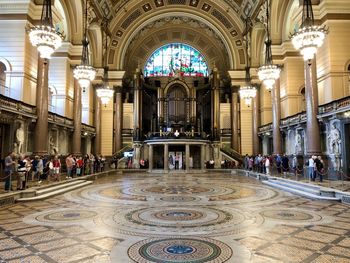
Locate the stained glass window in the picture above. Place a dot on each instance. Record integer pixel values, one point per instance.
(176, 60)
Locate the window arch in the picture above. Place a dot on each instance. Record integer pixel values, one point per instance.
(176, 59)
(2, 78)
(52, 99)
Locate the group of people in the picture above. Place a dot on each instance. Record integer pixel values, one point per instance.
(316, 168)
(284, 164)
(40, 168)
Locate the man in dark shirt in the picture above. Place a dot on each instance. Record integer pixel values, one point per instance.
(9, 168)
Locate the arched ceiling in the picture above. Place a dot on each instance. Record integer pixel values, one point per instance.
(176, 29)
(220, 41)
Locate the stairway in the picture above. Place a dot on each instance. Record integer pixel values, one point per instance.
(303, 189)
(231, 154)
(44, 192)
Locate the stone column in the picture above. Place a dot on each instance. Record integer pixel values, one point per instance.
(137, 106)
(118, 120)
(166, 157)
(137, 155)
(97, 123)
(193, 107)
(77, 109)
(311, 98)
(215, 98)
(160, 102)
(234, 120)
(42, 93)
(256, 123)
(202, 156)
(187, 160)
(150, 157)
(276, 118)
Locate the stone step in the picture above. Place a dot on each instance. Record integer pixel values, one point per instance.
(303, 193)
(56, 191)
(57, 187)
(295, 185)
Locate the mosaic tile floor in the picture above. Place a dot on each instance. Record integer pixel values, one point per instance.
(175, 218)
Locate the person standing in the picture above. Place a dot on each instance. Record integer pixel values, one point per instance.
(311, 168)
(267, 165)
(8, 169)
(39, 168)
(56, 168)
(21, 169)
(69, 165)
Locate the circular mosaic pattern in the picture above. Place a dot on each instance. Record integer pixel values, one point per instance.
(292, 215)
(177, 199)
(182, 217)
(178, 215)
(177, 189)
(185, 250)
(66, 216)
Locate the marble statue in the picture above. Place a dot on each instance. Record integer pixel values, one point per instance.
(19, 138)
(334, 140)
(297, 143)
(53, 147)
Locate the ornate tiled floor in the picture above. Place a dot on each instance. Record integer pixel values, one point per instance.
(175, 218)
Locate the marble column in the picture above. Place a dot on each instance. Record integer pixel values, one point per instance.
(77, 109)
(215, 99)
(166, 157)
(234, 121)
(203, 156)
(118, 120)
(150, 157)
(42, 93)
(256, 123)
(160, 108)
(137, 106)
(276, 118)
(311, 97)
(193, 107)
(187, 155)
(97, 123)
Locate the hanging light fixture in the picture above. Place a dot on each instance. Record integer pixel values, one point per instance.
(85, 73)
(247, 92)
(309, 37)
(45, 37)
(104, 92)
(269, 72)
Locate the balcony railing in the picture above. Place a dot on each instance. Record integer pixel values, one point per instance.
(335, 106)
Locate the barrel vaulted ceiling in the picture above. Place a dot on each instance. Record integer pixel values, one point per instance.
(137, 28)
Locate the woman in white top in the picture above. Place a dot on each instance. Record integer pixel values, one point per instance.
(267, 165)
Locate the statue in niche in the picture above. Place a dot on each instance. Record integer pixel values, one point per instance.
(334, 140)
(19, 138)
(298, 148)
(53, 147)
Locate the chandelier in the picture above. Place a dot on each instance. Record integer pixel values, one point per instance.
(269, 72)
(85, 73)
(45, 37)
(247, 92)
(104, 92)
(309, 37)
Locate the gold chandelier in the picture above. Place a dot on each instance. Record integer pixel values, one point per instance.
(45, 37)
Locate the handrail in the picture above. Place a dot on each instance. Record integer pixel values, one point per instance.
(232, 153)
(126, 147)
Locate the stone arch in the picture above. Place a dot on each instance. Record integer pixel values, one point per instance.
(279, 16)
(5, 67)
(74, 21)
(179, 83)
(119, 47)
